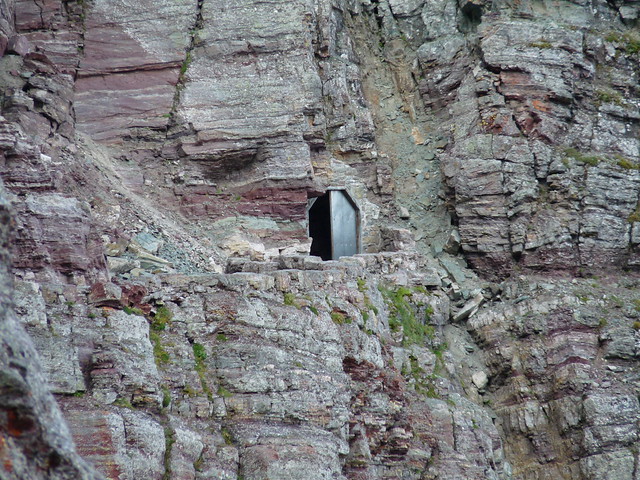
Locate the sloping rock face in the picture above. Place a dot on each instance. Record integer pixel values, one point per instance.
(35, 441)
(565, 386)
(542, 104)
(158, 159)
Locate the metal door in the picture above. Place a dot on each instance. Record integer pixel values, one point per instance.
(344, 225)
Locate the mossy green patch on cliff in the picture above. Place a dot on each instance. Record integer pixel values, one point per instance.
(226, 435)
(541, 43)
(591, 160)
(200, 355)
(339, 317)
(166, 396)
(221, 337)
(132, 311)
(609, 96)
(123, 402)
(628, 42)
(169, 440)
(185, 64)
(290, 300)
(223, 392)
(423, 383)
(402, 313)
(160, 355)
(161, 319)
(635, 215)
(625, 163)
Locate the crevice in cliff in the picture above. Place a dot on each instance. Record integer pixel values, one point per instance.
(403, 126)
(194, 42)
(169, 440)
(41, 10)
(470, 17)
(78, 16)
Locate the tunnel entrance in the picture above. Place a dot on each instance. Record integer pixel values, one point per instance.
(334, 225)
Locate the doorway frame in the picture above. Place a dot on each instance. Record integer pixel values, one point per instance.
(311, 201)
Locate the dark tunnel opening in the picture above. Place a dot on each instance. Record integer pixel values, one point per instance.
(320, 227)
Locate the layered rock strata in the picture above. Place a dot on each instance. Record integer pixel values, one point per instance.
(159, 158)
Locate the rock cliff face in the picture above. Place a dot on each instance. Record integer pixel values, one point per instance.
(158, 161)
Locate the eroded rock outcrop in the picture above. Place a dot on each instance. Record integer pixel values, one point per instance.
(159, 158)
(34, 439)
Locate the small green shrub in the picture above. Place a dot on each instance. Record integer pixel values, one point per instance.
(609, 96)
(339, 318)
(612, 37)
(159, 353)
(635, 216)
(423, 384)
(169, 440)
(189, 391)
(636, 325)
(185, 65)
(123, 402)
(314, 310)
(221, 337)
(290, 300)
(403, 314)
(223, 392)
(133, 311)
(226, 435)
(625, 163)
(199, 353)
(161, 319)
(628, 41)
(166, 396)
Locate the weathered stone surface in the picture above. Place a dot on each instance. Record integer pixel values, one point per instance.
(511, 124)
(523, 171)
(586, 416)
(130, 65)
(35, 439)
(54, 232)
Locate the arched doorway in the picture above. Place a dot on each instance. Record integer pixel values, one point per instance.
(334, 225)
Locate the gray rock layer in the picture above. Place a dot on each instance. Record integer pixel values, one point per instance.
(159, 158)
